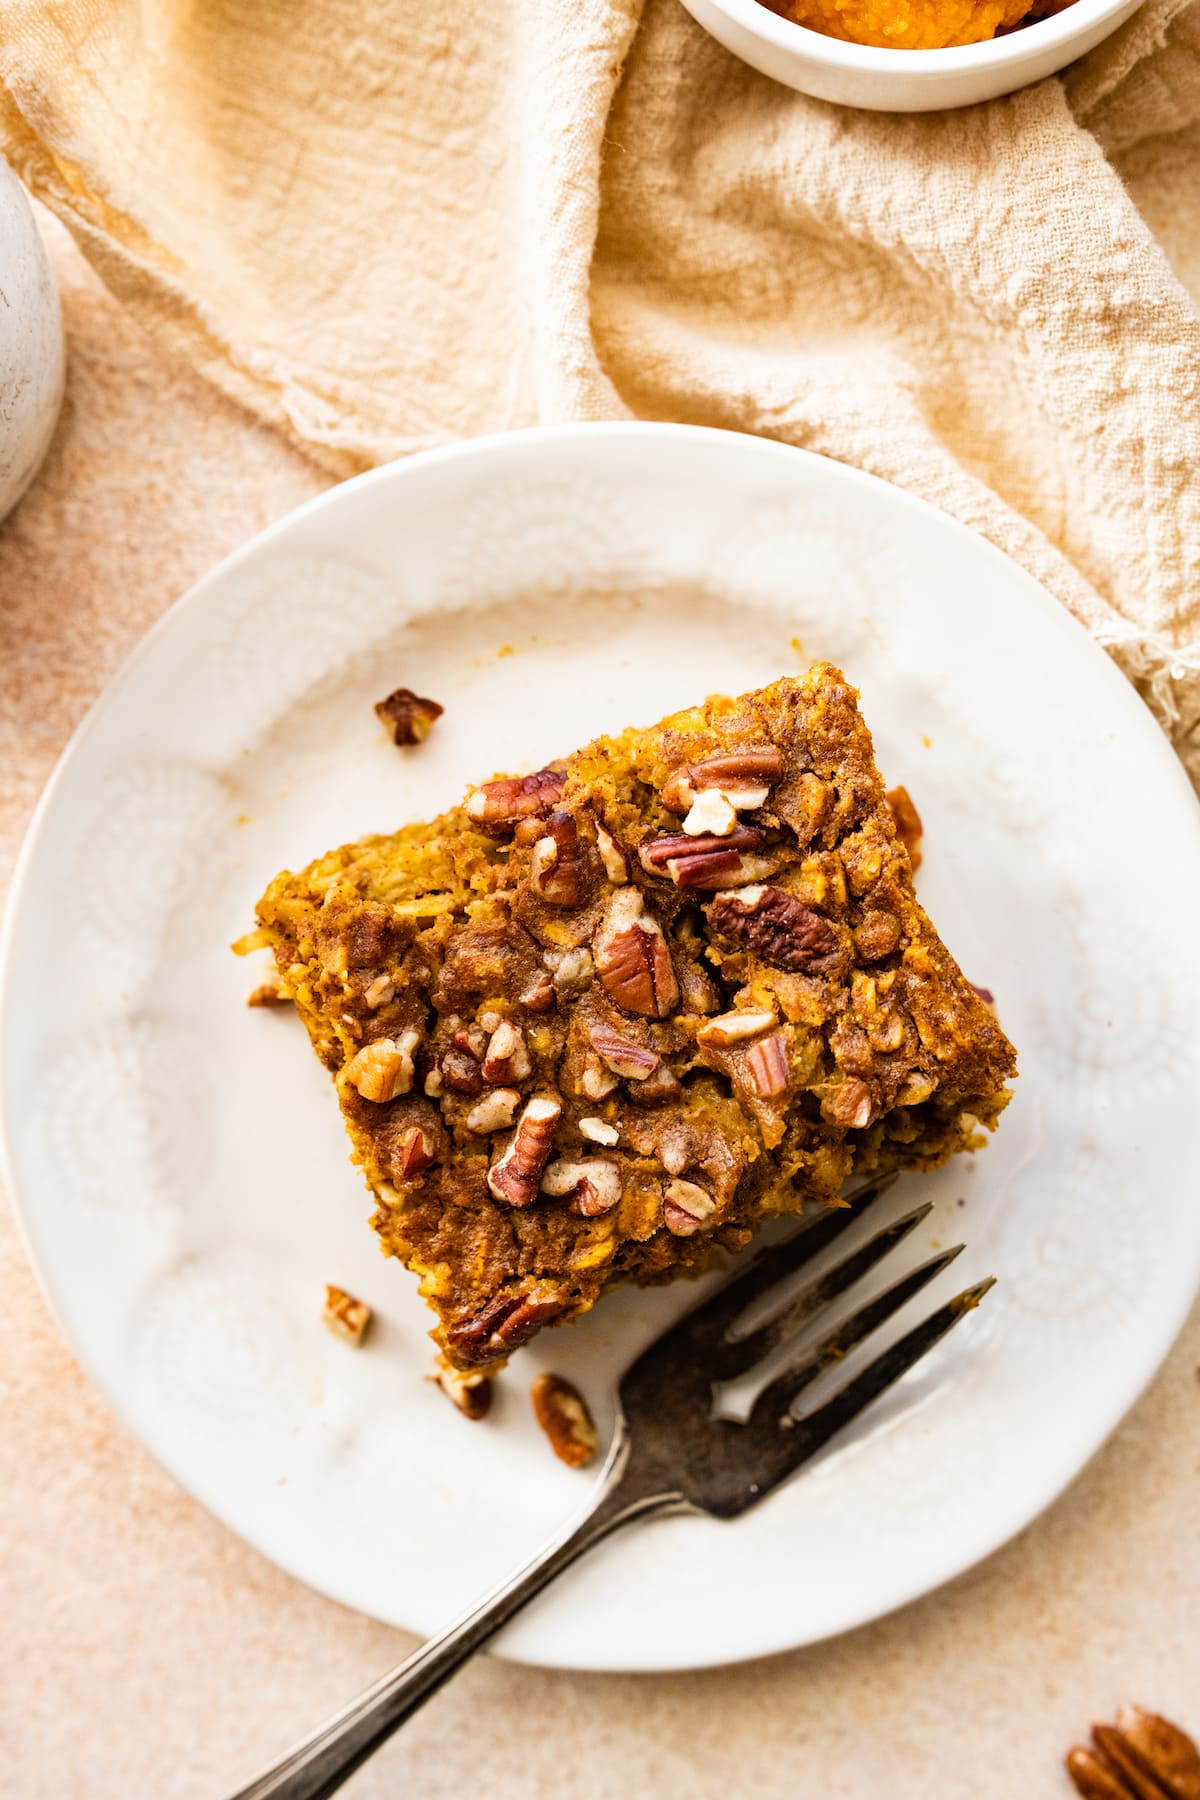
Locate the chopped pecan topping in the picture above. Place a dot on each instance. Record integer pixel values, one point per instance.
(416, 1153)
(917, 1087)
(384, 1069)
(767, 1066)
(572, 971)
(471, 1394)
(686, 1207)
(434, 1084)
(556, 864)
(495, 1112)
(596, 1081)
(345, 1316)
(507, 1058)
(600, 1131)
(498, 806)
(616, 863)
(622, 1055)
(408, 716)
(381, 990)
(908, 823)
(746, 777)
(662, 1086)
(632, 958)
(734, 1028)
(849, 1104)
(538, 995)
(472, 1039)
(503, 1325)
(560, 1411)
(776, 925)
(592, 1187)
(1142, 1757)
(516, 1175)
(268, 994)
(712, 814)
(460, 1073)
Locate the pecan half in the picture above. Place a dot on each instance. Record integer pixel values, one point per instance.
(621, 1054)
(345, 1316)
(778, 927)
(704, 863)
(516, 1175)
(632, 958)
(1093, 1778)
(766, 1066)
(687, 1207)
(503, 1325)
(497, 806)
(507, 1059)
(745, 776)
(471, 1394)
(408, 717)
(1162, 1749)
(560, 1411)
(592, 1186)
(416, 1153)
(734, 1028)
(384, 1069)
(909, 828)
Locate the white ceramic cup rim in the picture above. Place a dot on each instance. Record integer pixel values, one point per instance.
(958, 59)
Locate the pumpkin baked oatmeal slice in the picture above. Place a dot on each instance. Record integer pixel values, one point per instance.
(600, 1021)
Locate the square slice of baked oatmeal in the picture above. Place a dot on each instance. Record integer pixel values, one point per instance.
(598, 1021)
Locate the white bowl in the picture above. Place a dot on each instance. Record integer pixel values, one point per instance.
(906, 80)
(31, 344)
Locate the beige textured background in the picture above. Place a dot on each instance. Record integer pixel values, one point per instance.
(145, 1654)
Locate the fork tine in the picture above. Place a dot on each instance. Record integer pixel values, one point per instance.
(748, 1349)
(802, 1438)
(711, 1320)
(771, 1407)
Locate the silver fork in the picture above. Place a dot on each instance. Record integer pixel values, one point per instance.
(671, 1452)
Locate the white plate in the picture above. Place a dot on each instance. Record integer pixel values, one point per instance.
(179, 1162)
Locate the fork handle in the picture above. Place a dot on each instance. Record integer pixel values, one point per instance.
(318, 1766)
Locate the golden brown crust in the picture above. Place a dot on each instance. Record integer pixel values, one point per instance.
(740, 985)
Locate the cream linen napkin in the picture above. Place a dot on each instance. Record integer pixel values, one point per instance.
(385, 223)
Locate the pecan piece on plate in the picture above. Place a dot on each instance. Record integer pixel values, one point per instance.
(409, 717)
(471, 1394)
(779, 927)
(498, 806)
(562, 1413)
(632, 958)
(516, 1175)
(1142, 1757)
(345, 1316)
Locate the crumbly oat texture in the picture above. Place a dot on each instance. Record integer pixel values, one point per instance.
(603, 1020)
